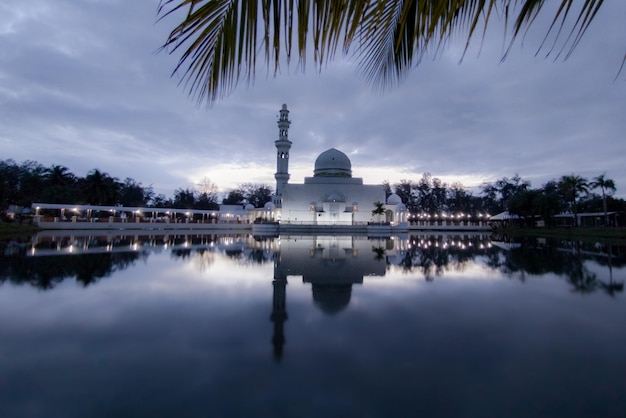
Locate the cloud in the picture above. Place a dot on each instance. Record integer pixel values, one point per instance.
(81, 85)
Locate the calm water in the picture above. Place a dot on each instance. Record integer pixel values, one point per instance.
(310, 326)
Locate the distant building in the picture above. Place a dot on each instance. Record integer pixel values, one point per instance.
(331, 196)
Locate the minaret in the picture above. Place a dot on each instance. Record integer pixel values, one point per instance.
(283, 145)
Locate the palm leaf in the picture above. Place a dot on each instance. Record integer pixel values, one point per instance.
(219, 39)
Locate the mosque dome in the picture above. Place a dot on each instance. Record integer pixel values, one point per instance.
(249, 206)
(333, 163)
(394, 199)
(269, 206)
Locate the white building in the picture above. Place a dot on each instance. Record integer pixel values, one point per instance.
(332, 195)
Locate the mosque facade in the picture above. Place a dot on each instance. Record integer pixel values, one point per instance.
(331, 195)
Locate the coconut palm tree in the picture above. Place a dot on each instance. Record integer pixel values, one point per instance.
(608, 187)
(58, 175)
(60, 185)
(571, 186)
(379, 209)
(219, 38)
(100, 188)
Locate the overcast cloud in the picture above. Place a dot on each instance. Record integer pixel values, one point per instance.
(81, 85)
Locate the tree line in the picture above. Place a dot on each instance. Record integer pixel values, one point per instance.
(21, 184)
(569, 194)
(28, 182)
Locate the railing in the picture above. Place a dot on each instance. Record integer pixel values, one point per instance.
(448, 223)
(143, 220)
(324, 223)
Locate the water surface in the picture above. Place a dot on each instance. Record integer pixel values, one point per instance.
(310, 326)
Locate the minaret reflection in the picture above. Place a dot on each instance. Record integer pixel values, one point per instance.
(332, 264)
(279, 311)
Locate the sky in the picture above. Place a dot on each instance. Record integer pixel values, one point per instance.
(83, 85)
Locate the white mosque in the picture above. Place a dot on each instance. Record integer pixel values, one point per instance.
(332, 196)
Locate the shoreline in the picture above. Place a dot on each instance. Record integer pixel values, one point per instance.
(8, 229)
(613, 234)
(616, 234)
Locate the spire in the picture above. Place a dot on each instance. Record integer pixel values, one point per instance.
(283, 124)
(283, 145)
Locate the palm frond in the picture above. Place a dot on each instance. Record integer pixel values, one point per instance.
(220, 38)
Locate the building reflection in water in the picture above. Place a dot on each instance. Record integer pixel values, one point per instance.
(331, 264)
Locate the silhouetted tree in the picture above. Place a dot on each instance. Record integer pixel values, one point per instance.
(571, 186)
(60, 186)
(99, 188)
(387, 188)
(501, 191)
(423, 192)
(439, 195)
(133, 193)
(206, 201)
(525, 205)
(206, 195)
(234, 197)
(404, 190)
(58, 175)
(20, 184)
(32, 182)
(459, 200)
(607, 186)
(252, 193)
(548, 202)
(184, 198)
(161, 201)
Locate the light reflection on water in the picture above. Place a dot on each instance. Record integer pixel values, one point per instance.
(214, 325)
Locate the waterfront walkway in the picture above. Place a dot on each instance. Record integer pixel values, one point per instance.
(77, 217)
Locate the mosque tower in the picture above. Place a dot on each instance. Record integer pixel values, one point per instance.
(283, 145)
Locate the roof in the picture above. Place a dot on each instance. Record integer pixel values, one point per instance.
(503, 216)
(332, 163)
(394, 199)
(142, 209)
(584, 214)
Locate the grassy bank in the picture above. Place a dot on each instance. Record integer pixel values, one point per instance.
(579, 233)
(12, 228)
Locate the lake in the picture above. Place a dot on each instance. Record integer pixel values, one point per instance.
(310, 326)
